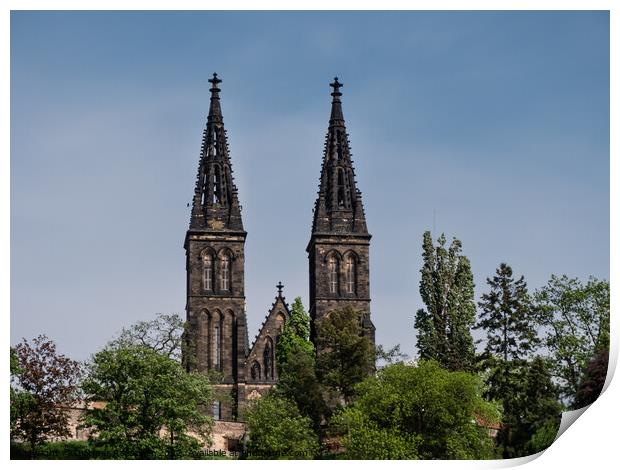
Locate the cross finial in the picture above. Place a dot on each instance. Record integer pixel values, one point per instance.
(214, 81)
(280, 286)
(336, 86)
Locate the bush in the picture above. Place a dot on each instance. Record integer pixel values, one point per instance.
(277, 430)
(64, 450)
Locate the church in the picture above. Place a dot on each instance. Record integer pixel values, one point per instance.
(338, 257)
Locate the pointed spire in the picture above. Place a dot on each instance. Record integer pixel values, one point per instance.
(215, 111)
(336, 118)
(338, 207)
(215, 205)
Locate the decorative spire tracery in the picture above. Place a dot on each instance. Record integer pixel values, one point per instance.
(215, 204)
(338, 207)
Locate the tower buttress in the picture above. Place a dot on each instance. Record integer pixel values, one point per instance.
(215, 258)
(338, 251)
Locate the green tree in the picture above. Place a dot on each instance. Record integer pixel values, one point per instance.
(447, 290)
(295, 335)
(365, 439)
(389, 356)
(151, 404)
(15, 397)
(164, 335)
(531, 409)
(421, 411)
(542, 411)
(277, 430)
(506, 316)
(575, 320)
(593, 379)
(346, 356)
(297, 380)
(45, 385)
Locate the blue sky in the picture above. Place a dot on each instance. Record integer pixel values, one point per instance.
(496, 122)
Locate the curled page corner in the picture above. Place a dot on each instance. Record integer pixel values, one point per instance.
(568, 418)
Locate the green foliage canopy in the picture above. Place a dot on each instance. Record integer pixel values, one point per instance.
(575, 319)
(151, 403)
(164, 335)
(277, 430)
(421, 411)
(531, 409)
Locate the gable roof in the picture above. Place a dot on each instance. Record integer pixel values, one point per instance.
(279, 305)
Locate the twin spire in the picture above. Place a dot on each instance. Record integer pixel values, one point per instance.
(215, 205)
(338, 207)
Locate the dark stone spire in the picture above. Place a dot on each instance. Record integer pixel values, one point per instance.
(336, 118)
(215, 204)
(215, 110)
(338, 207)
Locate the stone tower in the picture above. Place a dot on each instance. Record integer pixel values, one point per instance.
(339, 244)
(214, 247)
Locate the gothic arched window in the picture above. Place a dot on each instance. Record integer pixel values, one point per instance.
(349, 265)
(216, 409)
(280, 321)
(268, 359)
(217, 185)
(205, 187)
(207, 271)
(217, 340)
(332, 271)
(255, 371)
(341, 196)
(339, 145)
(224, 272)
(205, 328)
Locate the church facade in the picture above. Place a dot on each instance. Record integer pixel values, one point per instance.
(338, 255)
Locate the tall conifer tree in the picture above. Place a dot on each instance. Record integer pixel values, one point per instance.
(505, 316)
(447, 289)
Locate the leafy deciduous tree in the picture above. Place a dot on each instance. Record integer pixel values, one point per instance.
(593, 379)
(575, 317)
(47, 383)
(151, 404)
(164, 335)
(447, 290)
(277, 430)
(389, 356)
(421, 411)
